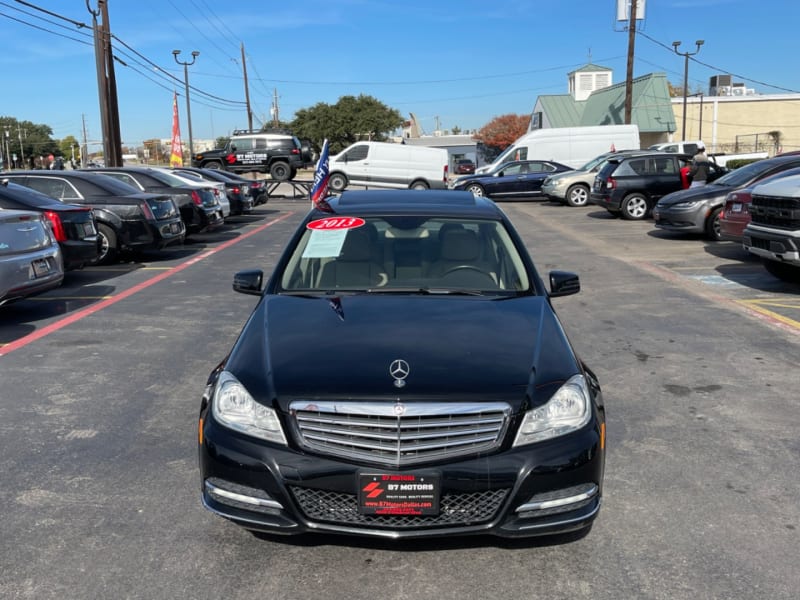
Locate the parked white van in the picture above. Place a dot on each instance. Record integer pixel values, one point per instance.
(382, 164)
(572, 146)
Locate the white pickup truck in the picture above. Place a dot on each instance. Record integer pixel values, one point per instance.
(690, 147)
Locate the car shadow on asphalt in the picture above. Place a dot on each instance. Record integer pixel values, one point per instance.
(602, 214)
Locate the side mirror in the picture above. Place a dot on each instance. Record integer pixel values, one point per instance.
(233, 147)
(564, 283)
(248, 282)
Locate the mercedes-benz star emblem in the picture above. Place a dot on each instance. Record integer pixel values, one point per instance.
(399, 369)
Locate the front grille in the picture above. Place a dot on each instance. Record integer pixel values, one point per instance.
(385, 433)
(776, 211)
(454, 509)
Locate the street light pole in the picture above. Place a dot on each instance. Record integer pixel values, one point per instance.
(686, 56)
(195, 54)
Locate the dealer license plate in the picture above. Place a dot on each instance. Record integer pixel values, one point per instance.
(393, 494)
(39, 268)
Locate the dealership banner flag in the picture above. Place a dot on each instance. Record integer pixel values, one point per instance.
(175, 152)
(320, 188)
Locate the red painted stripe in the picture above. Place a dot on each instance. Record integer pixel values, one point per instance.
(69, 320)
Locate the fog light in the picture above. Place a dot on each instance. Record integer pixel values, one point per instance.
(240, 496)
(558, 501)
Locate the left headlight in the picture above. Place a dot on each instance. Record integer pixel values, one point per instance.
(686, 205)
(568, 410)
(233, 406)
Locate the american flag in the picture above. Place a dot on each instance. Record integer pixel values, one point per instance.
(320, 188)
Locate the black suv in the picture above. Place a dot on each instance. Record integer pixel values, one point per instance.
(279, 154)
(631, 185)
(127, 219)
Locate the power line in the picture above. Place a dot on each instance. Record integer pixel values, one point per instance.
(719, 69)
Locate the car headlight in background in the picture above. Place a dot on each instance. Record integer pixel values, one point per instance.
(568, 410)
(233, 406)
(686, 205)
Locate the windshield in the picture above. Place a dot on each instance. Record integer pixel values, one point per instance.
(405, 254)
(593, 163)
(743, 175)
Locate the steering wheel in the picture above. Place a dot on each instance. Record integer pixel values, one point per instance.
(466, 268)
(479, 277)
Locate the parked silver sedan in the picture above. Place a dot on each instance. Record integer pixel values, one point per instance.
(30, 257)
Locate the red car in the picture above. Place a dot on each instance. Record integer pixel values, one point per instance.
(735, 213)
(465, 166)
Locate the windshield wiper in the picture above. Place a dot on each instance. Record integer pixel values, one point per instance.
(424, 291)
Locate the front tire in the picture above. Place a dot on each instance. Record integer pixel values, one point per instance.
(476, 189)
(280, 171)
(635, 207)
(713, 226)
(108, 245)
(337, 182)
(213, 164)
(783, 271)
(577, 195)
(419, 185)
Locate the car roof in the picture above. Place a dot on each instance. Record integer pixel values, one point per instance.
(646, 154)
(448, 203)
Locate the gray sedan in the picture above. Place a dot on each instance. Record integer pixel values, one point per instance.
(696, 210)
(30, 258)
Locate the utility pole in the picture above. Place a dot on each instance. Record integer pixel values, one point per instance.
(686, 56)
(21, 149)
(85, 147)
(186, 65)
(115, 143)
(247, 93)
(106, 85)
(275, 110)
(629, 72)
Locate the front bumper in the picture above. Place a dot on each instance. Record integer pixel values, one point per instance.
(686, 221)
(541, 489)
(783, 247)
(554, 192)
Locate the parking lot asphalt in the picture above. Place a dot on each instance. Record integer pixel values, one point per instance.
(102, 378)
(721, 271)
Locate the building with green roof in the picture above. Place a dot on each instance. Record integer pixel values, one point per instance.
(594, 100)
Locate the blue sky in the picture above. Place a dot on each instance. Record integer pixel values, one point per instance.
(455, 63)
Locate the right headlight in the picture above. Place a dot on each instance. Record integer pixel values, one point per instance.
(233, 406)
(568, 410)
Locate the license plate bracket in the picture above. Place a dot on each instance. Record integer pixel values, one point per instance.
(39, 268)
(393, 494)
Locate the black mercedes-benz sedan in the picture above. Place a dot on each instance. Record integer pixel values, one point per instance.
(404, 375)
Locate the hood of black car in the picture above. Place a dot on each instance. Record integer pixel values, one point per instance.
(455, 347)
(709, 191)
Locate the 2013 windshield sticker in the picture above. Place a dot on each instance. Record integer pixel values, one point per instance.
(335, 223)
(328, 235)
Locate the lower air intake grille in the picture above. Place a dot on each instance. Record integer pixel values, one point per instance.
(455, 509)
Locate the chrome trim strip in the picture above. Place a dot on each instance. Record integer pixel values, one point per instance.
(530, 506)
(223, 493)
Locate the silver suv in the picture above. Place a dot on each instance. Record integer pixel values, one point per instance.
(573, 187)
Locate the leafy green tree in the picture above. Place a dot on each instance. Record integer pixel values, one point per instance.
(349, 120)
(66, 147)
(28, 139)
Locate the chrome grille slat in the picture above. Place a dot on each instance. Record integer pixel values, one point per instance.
(423, 432)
